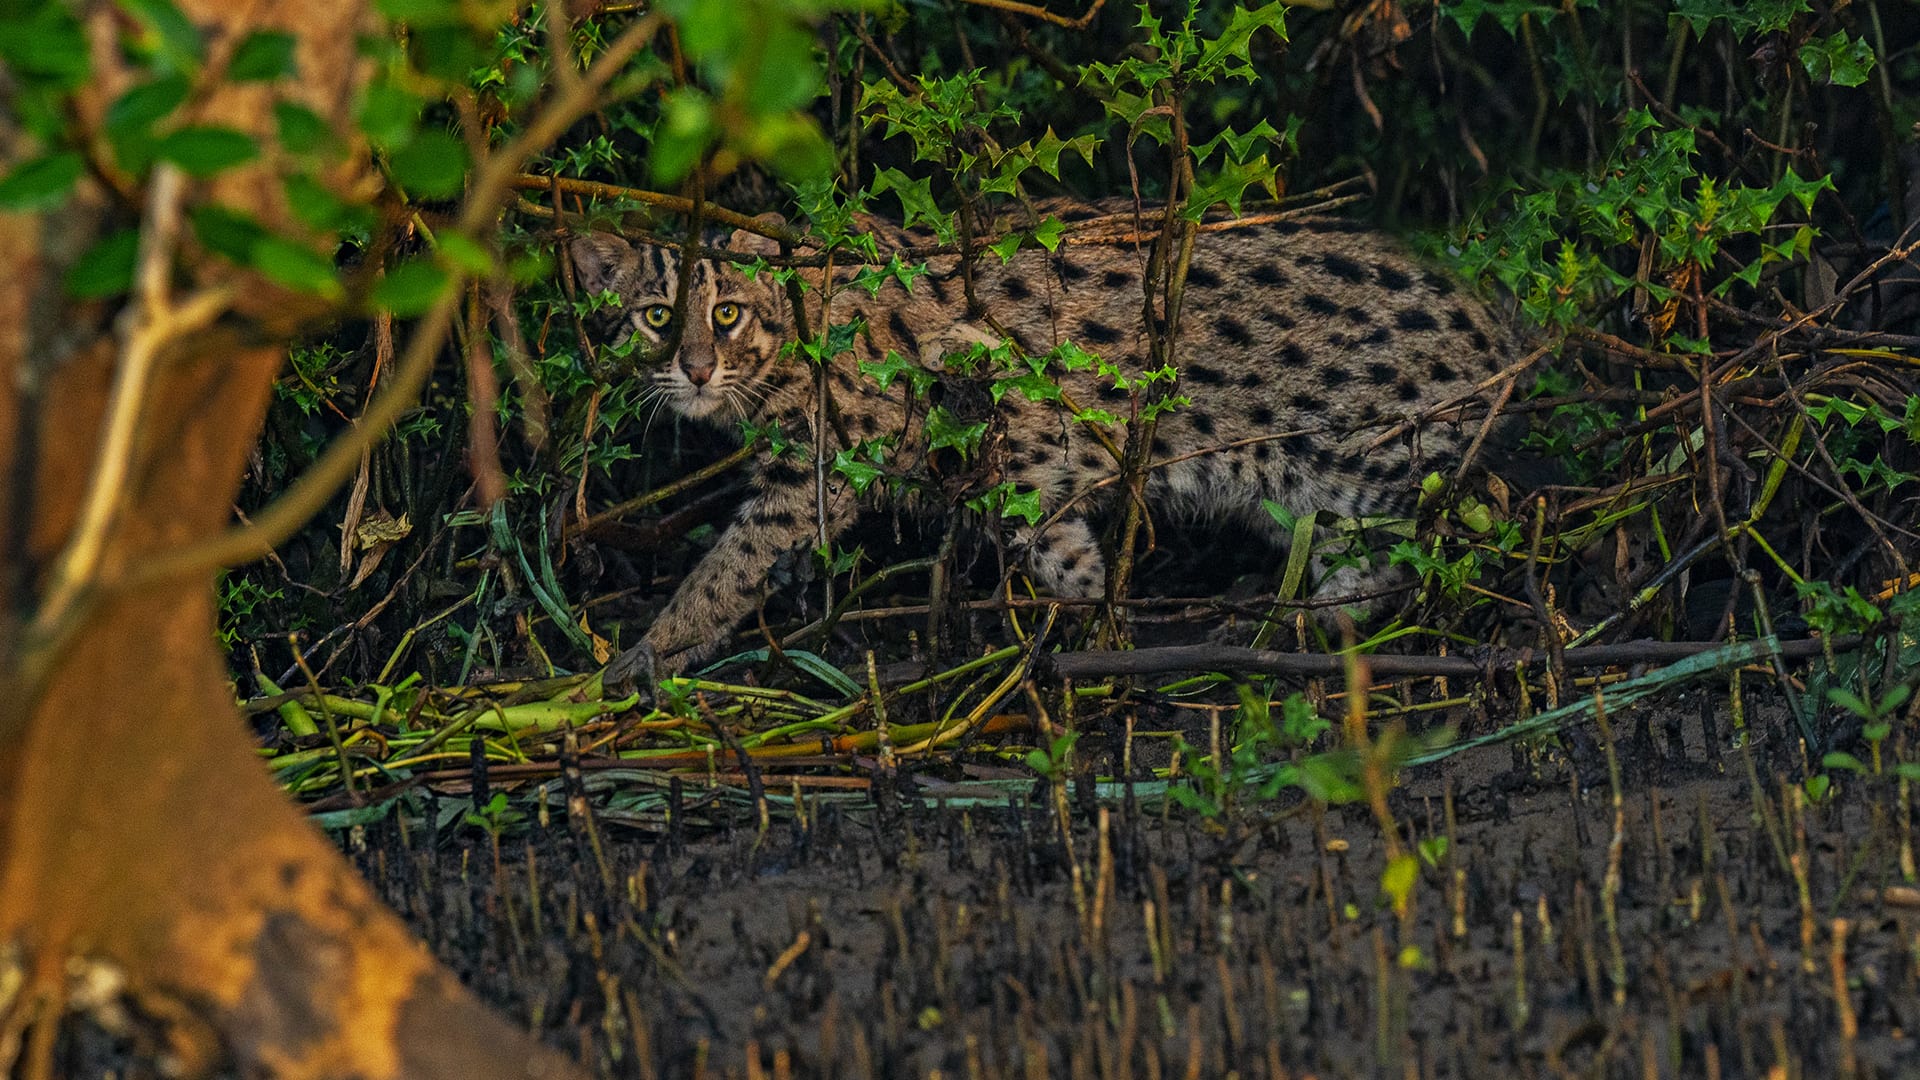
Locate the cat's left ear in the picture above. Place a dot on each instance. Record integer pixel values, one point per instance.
(752, 243)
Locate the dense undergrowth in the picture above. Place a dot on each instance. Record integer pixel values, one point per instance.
(1698, 212)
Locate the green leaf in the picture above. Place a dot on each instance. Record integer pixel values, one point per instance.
(172, 35)
(316, 206)
(1227, 54)
(263, 56)
(465, 253)
(1837, 59)
(420, 12)
(1049, 232)
(297, 267)
(226, 232)
(687, 127)
(432, 165)
(943, 430)
(132, 115)
(301, 129)
(44, 44)
(107, 268)
(204, 150)
(411, 288)
(389, 115)
(447, 52)
(916, 200)
(41, 182)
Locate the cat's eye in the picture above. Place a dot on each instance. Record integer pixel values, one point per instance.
(726, 314)
(657, 315)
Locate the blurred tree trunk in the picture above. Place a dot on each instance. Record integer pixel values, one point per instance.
(137, 826)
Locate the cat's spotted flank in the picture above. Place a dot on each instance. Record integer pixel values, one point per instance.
(1300, 343)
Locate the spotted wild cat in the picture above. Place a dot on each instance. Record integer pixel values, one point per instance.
(1301, 342)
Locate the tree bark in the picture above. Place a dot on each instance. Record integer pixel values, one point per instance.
(137, 826)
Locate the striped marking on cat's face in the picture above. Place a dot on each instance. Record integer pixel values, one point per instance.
(722, 346)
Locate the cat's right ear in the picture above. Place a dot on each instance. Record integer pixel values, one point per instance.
(600, 259)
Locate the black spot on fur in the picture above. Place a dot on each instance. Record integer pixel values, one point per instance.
(1307, 403)
(776, 519)
(1201, 422)
(1369, 412)
(1262, 451)
(1478, 340)
(1116, 279)
(1113, 393)
(869, 424)
(1382, 374)
(1091, 460)
(1380, 336)
(1344, 268)
(1359, 316)
(1160, 446)
(1319, 305)
(1099, 333)
(1268, 274)
(1331, 377)
(1408, 390)
(1015, 289)
(1261, 416)
(1297, 445)
(1285, 228)
(1015, 446)
(1293, 355)
(1416, 319)
(902, 332)
(780, 473)
(1276, 317)
(1459, 319)
(1070, 270)
(1251, 379)
(1233, 330)
(1439, 283)
(1204, 375)
(1441, 371)
(1202, 277)
(1392, 277)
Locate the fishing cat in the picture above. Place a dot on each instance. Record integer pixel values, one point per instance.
(1300, 342)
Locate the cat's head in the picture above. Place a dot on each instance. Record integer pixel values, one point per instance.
(725, 343)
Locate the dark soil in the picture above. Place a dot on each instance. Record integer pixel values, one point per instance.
(896, 938)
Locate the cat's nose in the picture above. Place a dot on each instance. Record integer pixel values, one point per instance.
(699, 374)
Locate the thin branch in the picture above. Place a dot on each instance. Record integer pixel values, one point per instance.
(152, 327)
(1037, 12)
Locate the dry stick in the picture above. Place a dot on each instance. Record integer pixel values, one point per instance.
(1176, 658)
(1018, 8)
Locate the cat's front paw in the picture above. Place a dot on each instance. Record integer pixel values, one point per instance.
(637, 669)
